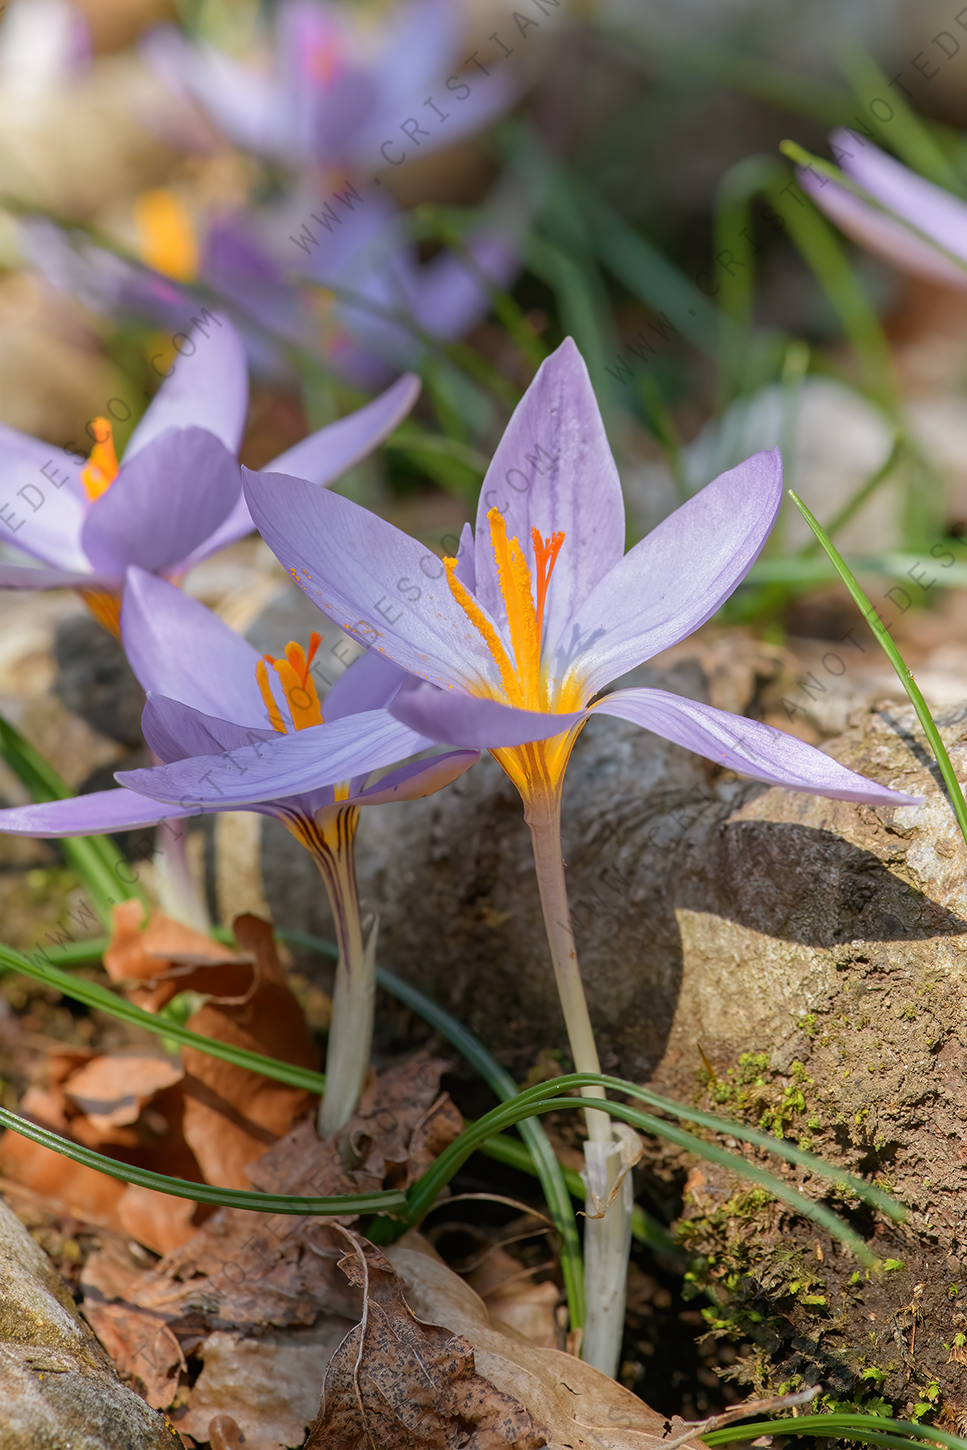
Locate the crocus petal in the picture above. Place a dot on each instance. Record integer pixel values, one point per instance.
(553, 471)
(369, 684)
(96, 814)
(22, 576)
(42, 499)
(881, 234)
(453, 717)
(465, 570)
(675, 579)
(236, 526)
(206, 387)
(929, 208)
(384, 588)
(244, 104)
(163, 504)
(330, 452)
(180, 648)
(418, 779)
(175, 731)
(449, 294)
(747, 746)
(287, 765)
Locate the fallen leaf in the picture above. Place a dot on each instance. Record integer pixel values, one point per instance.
(581, 1407)
(111, 1090)
(246, 1273)
(397, 1381)
(152, 963)
(524, 1308)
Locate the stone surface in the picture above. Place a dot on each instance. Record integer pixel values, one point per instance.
(57, 1385)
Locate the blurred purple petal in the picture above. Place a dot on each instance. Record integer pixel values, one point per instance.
(163, 504)
(675, 579)
(179, 648)
(553, 471)
(44, 499)
(747, 746)
(332, 451)
(452, 717)
(206, 386)
(927, 207)
(368, 684)
(287, 765)
(22, 576)
(96, 814)
(384, 588)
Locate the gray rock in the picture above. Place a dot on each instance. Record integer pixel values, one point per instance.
(58, 1389)
(95, 680)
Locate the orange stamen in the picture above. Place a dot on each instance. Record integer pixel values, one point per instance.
(105, 607)
(545, 552)
(166, 234)
(490, 636)
(275, 717)
(301, 694)
(101, 469)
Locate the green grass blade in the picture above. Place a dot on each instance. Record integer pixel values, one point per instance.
(423, 1194)
(904, 132)
(903, 672)
(821, 248)
(377, 1202)
(870, 1429)
(100, 997)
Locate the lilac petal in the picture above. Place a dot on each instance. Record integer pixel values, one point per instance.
(675, 579)
(244, 104)
(553, 471)
(163, 504)
(22, 576)
(369, 684)
(42, 498)
(332, 451)
(881, 234)
(238, 524)
(747, 746)
(286, 765)
(465, 570)
(453, 717)
(179, 648)
(88, 815)
(448, 295)
(929, 208)
(175, 731)
(384, 588)
(206, 387)
(418, 779)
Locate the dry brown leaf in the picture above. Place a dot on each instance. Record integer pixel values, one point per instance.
(112, 1089)
(248, 1272)
(232, 1115)
(154, 963)
(582, 1408)
(513, 1303)
(397, 1381)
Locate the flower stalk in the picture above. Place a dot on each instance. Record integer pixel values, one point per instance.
(351, 1027)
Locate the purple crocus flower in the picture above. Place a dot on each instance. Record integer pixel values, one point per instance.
(508, 644)
(175, 495)
(905, 219)
(208, 692)
(334, 97)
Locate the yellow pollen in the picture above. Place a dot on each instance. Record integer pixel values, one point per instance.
(301, 695)
(166, 234)
(101, 469)
(521, 679)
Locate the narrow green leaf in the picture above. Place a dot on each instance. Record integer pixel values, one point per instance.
(201, 1192)
(904, 674)
(104, 871)
(107, 1001)
(902, 130)
(870, 1429)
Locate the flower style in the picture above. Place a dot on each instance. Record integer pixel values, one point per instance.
(336, 95)
(175, 495)
(903, 218)
(209, 692)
